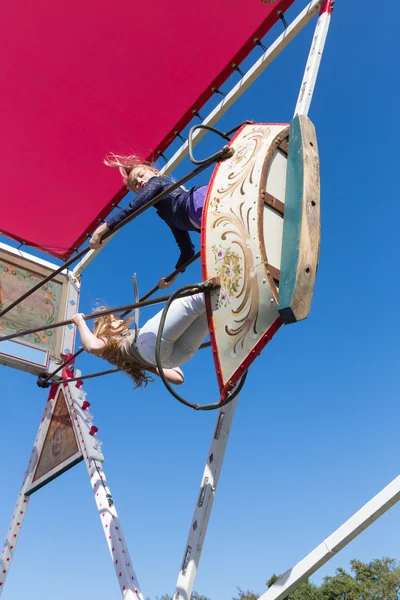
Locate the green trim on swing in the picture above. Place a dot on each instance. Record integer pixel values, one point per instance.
(301, 224)
(291, 222)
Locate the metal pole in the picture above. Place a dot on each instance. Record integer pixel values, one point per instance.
(202, 512)
(314, 59)
(108, 372)
(45, 380)
(23, 500)
(119, 552)
(107, 311)
(362, 519)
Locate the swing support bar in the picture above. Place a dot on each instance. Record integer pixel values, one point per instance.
(100, 313)
(224, 153)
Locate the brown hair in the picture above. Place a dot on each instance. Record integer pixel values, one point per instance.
(126, 164)
(112, 351)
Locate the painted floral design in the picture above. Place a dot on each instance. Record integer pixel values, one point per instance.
(230, 271)
(232, 244)
(38, 309)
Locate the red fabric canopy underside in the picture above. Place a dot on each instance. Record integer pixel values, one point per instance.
(80, 79)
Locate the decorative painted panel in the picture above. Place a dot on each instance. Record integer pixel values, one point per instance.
(242, 229)
(19, 273)
(36, 310)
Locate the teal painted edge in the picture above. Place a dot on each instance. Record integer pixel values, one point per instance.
(291, 222)
(60, 472)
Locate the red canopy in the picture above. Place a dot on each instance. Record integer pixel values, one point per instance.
(80, 79)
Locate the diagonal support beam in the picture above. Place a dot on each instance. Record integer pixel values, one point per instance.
(362, 519)
(314, 59)
(205, 501)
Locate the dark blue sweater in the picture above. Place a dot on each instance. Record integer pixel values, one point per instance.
(172, 209)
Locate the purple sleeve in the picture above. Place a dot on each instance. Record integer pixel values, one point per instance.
(150, 190)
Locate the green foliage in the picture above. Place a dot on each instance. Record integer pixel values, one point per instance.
(376, 580)
(305, 591)
(195, 596)
(242, 595)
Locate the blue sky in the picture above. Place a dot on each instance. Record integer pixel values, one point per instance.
(315, 433)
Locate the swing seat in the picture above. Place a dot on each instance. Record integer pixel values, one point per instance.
(260, 236)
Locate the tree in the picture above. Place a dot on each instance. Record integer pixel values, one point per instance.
(376, 580)
(195, 596)
(242, 595)
(305, 591)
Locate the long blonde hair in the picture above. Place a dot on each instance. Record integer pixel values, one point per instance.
(112, 351)
(126, 164)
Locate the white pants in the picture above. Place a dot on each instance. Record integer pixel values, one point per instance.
(184, 331)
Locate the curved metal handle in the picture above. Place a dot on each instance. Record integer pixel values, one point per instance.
(225, 152)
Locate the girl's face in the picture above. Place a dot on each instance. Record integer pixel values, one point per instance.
(139, 176)
(115, 322)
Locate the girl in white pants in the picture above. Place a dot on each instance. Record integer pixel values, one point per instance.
(184, 331)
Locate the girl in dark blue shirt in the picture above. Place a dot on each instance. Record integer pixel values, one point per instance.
(180, 209)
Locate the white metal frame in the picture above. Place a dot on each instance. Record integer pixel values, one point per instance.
(90, 450)
(205, 500)
(362, 519)
(126, 577)
(115, 539)
(198, 528)
(314, 60)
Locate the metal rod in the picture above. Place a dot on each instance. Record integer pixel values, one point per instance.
(107, 311)
(44, 380)
(128, 219)
(282, 18)
(64, 364)
(108, 372)
(171, 276)
(90, 376)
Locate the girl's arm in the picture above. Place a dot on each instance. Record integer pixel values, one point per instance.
(185, 245)
(90, 342)
(152, 188)
(174, 375)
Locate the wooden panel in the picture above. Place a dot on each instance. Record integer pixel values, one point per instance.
(301, 229)
(243, 313)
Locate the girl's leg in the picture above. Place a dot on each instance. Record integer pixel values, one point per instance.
(189, 342)
(182, 313)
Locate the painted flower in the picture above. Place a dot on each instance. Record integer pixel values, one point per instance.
(230, 271)
(220, 255)
(224, 296)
